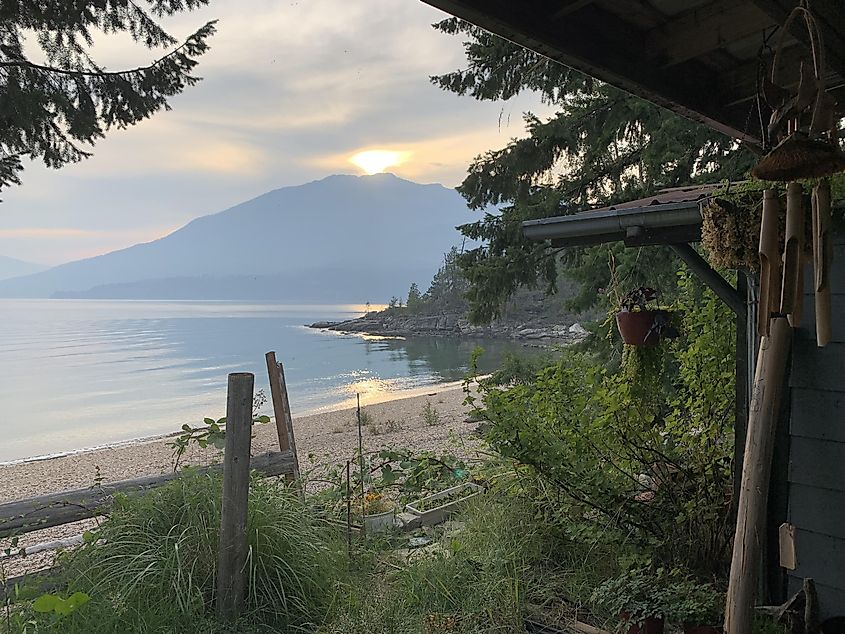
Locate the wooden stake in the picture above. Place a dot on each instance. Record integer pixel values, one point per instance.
(361, 467)
(793, 249)
(281, 410)
(822, 256)
(768, 259)
(231, 578)
(348, 508)
(756, 471)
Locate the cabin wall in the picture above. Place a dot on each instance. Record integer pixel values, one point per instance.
(816, 460)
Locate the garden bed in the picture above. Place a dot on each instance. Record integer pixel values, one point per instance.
(439, 506)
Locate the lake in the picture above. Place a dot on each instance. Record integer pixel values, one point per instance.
(76, 374)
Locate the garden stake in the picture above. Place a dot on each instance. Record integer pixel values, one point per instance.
(348, 509)
(361, 467)
(768, 259)
(822, 255)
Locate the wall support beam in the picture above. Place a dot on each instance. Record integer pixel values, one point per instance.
(718, 284)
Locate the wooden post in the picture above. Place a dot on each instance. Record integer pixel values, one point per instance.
(232, 553)
(756, 471)
(281, 410)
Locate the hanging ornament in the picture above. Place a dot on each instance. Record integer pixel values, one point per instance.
(803, 124)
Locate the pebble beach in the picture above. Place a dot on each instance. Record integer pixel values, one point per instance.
(323, 439)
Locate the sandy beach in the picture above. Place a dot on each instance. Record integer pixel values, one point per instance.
(323, 439)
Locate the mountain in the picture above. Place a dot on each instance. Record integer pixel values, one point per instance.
(339, 239)
(12, 267)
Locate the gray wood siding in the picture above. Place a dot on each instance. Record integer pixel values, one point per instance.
(805, 510)
(816, 469)
(818, 463)
(818, 414)
(828, 596)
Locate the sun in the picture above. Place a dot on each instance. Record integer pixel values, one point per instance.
(376, 161)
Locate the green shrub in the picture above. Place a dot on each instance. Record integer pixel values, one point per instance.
(639, 458)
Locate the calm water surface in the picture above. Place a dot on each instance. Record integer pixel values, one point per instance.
(83, 373)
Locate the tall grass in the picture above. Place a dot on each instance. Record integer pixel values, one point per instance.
(153, 568)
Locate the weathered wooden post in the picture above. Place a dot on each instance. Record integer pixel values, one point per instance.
(233, 538)
(756, 471)
(281, 410)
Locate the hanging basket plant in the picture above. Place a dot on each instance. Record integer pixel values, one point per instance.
(730, 223)
(640, 320)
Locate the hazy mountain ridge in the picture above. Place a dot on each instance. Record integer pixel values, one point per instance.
(12, 267)
(342, 238)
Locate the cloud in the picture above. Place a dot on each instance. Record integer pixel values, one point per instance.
(291, 90)
(47, 232)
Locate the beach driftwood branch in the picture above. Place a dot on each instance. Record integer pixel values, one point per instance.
(56, 509)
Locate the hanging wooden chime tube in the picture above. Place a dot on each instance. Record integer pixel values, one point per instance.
(822, 255)
(769, 267)
(793, 250)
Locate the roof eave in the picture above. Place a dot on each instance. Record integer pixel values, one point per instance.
(618, 224)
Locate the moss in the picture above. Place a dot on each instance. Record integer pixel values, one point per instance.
(730, 228)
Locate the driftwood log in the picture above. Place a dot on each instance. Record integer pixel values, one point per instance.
(56, 509)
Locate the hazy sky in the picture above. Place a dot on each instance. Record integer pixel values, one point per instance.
(292, 90)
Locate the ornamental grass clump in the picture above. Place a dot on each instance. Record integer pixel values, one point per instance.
(151, 566)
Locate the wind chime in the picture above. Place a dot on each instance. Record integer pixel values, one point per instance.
(803, 124)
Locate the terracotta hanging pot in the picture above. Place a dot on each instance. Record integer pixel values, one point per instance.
(641, 327)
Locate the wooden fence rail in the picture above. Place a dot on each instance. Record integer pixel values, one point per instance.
(55, 509)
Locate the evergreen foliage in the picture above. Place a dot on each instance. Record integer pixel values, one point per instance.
(448, 286)
(414, 298)
(603, 146)
(54, 107)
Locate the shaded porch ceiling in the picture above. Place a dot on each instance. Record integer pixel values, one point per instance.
(699, 58)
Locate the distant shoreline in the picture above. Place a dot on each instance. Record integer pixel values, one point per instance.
(393, 323)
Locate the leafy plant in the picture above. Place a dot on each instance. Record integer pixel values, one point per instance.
(694, 601)
(430, 415)
(213, 432)
(639, 594)
(55, 604)
(641, 298)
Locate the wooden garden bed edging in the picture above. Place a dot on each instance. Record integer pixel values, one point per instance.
(56, 509)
